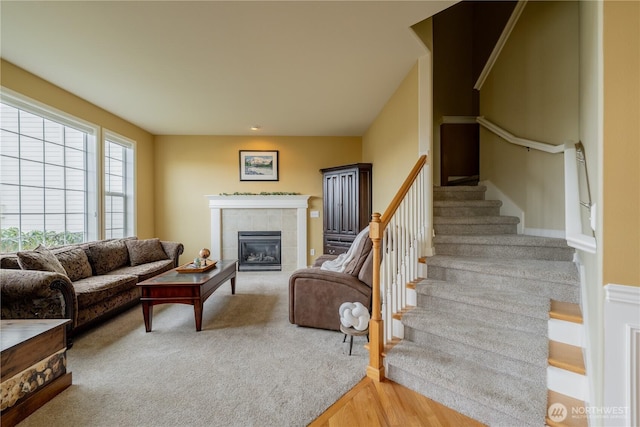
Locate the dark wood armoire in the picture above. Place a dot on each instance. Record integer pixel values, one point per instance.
(347, 204)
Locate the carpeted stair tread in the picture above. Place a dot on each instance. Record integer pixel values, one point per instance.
(499, 398)
(488, 219)
(475, 225)
(459, 188)
(461, 192)
(512, 246)
(515, 302)
(502, 239)
(498, 362)
(549, 271)
(466, 203)
(480, 333)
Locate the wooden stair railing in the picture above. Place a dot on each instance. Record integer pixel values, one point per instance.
(398, 238)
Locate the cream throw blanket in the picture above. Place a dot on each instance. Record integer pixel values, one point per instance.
(339, 264)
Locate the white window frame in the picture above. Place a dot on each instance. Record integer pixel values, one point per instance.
(129, 183)
(32, 106)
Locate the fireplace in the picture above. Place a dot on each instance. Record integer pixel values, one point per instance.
(259, 251)
(247, 212)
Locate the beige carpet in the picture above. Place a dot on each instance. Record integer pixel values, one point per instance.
(247, 367)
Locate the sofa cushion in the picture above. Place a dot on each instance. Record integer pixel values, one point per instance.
(95, 289)
(41, 259)
(107, 255)
(145, 251)
(146, 271)
(75, 263)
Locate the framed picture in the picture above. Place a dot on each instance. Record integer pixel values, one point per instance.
(258, 165)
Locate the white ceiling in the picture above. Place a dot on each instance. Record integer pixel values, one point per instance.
(218, 67)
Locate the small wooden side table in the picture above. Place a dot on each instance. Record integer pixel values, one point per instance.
(352, 332)
(33, 355)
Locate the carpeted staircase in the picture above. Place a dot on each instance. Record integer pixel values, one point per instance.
(477, 340)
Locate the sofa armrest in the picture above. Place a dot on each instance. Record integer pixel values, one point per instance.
(173, 250)
(29, 294)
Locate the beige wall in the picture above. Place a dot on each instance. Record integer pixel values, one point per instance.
(27, 84)
(391, 143)
(621, 143)
(533, 92)
(187, 168)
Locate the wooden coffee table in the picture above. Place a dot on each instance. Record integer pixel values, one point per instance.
(185, 288)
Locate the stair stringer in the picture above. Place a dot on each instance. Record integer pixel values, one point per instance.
(576, 386)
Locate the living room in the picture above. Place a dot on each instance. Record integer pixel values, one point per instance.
(175, 172)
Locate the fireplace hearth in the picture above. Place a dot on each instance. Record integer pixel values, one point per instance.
(259, 251)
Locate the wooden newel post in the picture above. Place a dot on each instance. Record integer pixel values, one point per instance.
(375, 370)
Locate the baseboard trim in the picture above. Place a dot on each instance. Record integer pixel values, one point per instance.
(509, 207)
(544, 232)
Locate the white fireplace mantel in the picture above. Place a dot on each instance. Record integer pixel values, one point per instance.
(298, 202)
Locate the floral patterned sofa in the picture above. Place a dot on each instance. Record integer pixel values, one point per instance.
(85, 282)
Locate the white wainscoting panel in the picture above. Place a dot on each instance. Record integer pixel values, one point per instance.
(621, 356)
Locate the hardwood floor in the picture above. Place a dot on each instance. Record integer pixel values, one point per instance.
(371, 404)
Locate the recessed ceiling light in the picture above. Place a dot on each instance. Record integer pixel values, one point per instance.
(255, 127)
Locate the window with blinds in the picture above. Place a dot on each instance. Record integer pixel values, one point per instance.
(44, 183)
(51, 181)
(118, 186)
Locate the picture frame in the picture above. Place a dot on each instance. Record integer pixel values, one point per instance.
(259, 165)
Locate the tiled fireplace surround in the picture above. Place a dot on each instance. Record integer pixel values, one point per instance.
(285, 213)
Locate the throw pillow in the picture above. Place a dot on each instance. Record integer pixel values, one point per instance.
(75, 263)
(144, 251)
(107, 255)
(9, 261)
(41, 259)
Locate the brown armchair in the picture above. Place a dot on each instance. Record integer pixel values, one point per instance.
(315, 295)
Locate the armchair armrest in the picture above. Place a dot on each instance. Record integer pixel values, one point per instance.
(29, 294)
(322, 258)
(315, 296)
(324, 277)
(174, 250)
